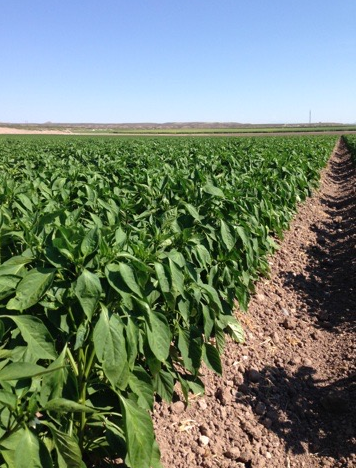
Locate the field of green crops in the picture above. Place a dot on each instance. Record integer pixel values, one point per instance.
(350, 141)
(120, 263)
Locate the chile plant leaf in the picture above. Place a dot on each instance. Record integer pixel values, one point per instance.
(158, 335)
(139, 434)
(177, 277)
(62, 405)
(162, 278)
(141, 384)
(90, 242)
(127, 274)
(69, 454)
(211, 358)
(227, 236)
(14, 266)
(21, 370)
(39, 341)
(54, 381)
(233, 326)
(156, 456)
(110, 348)
(31, 288)
(122, 278)
(190, 350)
(213, 190)
(242, 233)
(164, 385)
(8, 399)
(31, 453)
(88, 291)
(8, 285)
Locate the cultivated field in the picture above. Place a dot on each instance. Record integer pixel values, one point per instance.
(121, 261)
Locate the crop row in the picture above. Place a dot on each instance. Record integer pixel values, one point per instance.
(350, 141)
(121, 261)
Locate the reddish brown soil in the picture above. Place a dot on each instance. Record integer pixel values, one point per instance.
(287, 396)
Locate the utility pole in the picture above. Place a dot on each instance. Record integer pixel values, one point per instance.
(310, 117)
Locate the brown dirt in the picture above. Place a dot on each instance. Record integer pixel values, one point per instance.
(287, 396)
(22, 131)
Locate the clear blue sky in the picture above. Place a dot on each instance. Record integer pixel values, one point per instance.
(253, 61)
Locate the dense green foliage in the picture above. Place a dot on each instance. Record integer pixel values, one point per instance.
(120, 264)
(350, 141)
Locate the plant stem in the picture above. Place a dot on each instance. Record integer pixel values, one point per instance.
(72, 362)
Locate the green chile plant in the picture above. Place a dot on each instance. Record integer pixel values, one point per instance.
(350, 142)
(120, 264)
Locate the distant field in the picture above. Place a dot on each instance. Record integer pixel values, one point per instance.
(174, 129)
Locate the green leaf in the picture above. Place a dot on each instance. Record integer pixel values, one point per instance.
(190, 350)
(54, 381)
(164, 385)
(122, 278)
(177, 258)
(132, 335)
(220, 338)
(177, 277)
(81, 335)
(158, 335)
(88, 290)
(196, 386)
(202, 255)
(40, 342)
(90, 242)
(8, 285)
(25, 201)
(236, 331)
(8, 399)
(15, 265)
(120, 237)
(242, 233)
(184, 309)
(164, 283)
(110, 348)
(213, 190)
(141, 384)
(156, 456)
(227, 236)
(208, 317)
(8, 447)
(139, 434)
(233, 327)
(62, 405)
(211, 358)
(192, 211)
(213, 296)
(22, 370)
(30, 453)
(162, 278)
(68, 450)
(31, 288)
(55, 257)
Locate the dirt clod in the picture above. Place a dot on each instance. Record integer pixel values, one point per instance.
(254, 376)
(233, 453)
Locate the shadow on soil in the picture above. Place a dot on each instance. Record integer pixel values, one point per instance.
(308, 417)
(329, 288)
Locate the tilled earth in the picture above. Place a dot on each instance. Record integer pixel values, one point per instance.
(288, 395)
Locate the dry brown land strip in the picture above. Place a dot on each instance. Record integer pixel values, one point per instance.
(22, 131)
